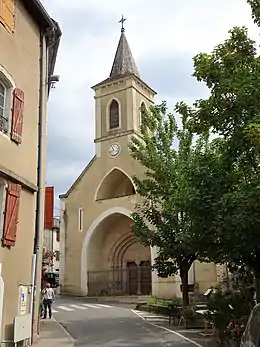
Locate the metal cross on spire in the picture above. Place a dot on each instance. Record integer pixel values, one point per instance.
(122, 20)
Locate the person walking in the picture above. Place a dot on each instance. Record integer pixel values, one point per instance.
(48, 299)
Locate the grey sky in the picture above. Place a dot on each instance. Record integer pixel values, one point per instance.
(163, 35)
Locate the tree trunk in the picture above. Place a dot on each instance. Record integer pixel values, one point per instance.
(257, 277)
(185, 286)
(257, 285)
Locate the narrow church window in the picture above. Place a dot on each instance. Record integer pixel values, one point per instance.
(142, 109)
(114, 115)
(81, 219)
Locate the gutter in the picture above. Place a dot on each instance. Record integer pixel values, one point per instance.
(40, 185)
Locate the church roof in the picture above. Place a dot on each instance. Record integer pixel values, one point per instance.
(123, 62)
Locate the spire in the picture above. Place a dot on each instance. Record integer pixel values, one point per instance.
(124, 62)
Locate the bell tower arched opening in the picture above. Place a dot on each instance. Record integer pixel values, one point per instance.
(115, 184)
(114, 115)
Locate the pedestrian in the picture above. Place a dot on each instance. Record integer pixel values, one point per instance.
(48, 299)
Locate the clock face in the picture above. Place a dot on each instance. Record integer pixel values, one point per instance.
(114, 149)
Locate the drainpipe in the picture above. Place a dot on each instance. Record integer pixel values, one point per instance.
(40, 186)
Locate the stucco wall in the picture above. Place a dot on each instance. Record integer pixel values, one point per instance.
(19, 56)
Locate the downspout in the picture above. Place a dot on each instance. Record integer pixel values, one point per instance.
(40, 192)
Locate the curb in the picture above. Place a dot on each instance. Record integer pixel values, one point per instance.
(72, 340)
(168, 330)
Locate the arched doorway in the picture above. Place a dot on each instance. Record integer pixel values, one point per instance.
(108, 255)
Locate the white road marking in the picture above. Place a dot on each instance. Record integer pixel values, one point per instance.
(54, 311)
(102, 305)
(79, 307)
(65, 308)
(91, 306)
(169, 330)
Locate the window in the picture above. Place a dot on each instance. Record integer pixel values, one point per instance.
(11, 107)
(3, 108)
(58, 235)
(7, 14)
(114, 115)
(57, 255)
(81, 219)
(142, 110)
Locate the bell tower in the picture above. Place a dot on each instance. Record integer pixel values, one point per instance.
(118, 99)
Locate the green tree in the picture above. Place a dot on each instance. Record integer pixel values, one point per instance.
(173, 216)
(232, 74)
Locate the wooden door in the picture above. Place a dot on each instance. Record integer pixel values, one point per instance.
(132, 270)
(146, 277)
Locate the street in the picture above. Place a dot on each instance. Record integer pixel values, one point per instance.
(111, 325)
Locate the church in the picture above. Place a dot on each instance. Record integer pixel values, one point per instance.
(99, 254)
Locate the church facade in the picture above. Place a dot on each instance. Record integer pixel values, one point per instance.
(99, 255)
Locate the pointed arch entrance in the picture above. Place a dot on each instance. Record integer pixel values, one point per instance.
(115, 184)
(113, 262)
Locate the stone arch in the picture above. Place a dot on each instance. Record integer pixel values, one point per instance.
(119, 248)
(116, 183)
(109, 237)
(113, 114)
(89, 234)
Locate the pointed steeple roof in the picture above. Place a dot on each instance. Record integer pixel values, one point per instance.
(123, 62)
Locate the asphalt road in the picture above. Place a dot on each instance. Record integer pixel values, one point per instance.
(110, 325)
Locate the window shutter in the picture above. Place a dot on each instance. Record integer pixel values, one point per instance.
(17, 120)
(1, 11)
(7, 14)
(49, 205)
(11, 214)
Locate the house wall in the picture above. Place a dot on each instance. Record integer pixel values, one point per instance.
(19, 59)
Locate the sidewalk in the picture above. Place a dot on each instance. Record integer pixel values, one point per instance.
(52, 334)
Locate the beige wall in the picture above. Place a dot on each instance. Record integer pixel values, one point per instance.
(19, 57)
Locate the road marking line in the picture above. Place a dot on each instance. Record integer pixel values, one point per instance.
(91, 306)
(80, 307)
(169, 330)
(65, 308)
(147, 315)
(54, 311)
(102, 305)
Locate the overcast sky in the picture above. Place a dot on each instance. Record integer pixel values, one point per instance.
(163, 35)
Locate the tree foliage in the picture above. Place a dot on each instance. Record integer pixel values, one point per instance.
(232, 111)
(173, 215)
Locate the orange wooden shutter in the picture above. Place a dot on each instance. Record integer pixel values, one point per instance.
(49, 205)
(11, 214)
(1, 11)
(17, 121)
(7, 14)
